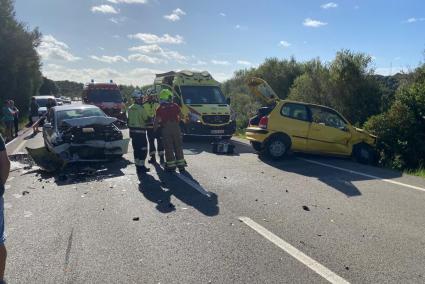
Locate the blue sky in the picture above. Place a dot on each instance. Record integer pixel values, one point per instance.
(131, 40)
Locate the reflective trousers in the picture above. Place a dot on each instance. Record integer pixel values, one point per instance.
(173, 145)
(140, 146)
(152, 135)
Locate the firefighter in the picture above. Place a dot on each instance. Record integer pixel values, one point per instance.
(168, 117)
(150, 105)
(137, 119)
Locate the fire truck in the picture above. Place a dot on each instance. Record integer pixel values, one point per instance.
(107, 97)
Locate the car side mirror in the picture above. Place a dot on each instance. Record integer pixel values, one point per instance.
(48, 125)
(228, 101)
(343, 128)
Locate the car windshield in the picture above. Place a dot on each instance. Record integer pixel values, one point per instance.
(99, 96)
(77, 113)
(42, 102)
(202, 95)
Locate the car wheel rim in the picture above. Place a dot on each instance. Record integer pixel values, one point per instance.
(277, 148)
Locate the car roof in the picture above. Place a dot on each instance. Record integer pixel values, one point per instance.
(72, 107)
(44, 97)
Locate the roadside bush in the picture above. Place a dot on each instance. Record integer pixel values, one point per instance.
(401, 130)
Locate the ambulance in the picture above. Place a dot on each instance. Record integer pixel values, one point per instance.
(206, 112)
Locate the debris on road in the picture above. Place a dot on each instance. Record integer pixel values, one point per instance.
(136, 219)
(223, 147)
(25, 192)
(306, 208)
(48, 161)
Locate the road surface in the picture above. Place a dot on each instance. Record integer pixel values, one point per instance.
(232, 219)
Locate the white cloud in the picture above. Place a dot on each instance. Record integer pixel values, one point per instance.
(154, 39)
(118, 20)
(138, 76)
(146, 59)
(329, 5)
(220, 62)
(175, 15)
(414, 20)
(128, 1)
(284, 43)
(109, 59)
(159, 51)
(105, 9)
(244, 62)
(51, 48)
(222, 14)
(152, 48)
(200, 62)
(313, 23)
(388, 71)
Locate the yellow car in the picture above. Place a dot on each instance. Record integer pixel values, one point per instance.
(300, 127)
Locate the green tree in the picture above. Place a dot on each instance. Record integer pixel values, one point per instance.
(355, 93)
(314, 86)
(48, 87)
(70, 89)
(401, 129)
(19, 62)
(279, 74)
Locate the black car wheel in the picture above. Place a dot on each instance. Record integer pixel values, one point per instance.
(277, 148)
(364, 154)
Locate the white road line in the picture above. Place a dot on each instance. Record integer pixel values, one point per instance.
(193, 184)
(294, 252)
(363, 174)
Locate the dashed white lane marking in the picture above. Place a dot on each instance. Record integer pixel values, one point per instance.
(294, 252)
(363, 174)
(193, 184)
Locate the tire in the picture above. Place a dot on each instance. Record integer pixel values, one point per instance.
(277, 148)
(365, 154)
(257, 146)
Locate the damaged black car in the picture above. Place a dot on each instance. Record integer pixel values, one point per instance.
(83, 133)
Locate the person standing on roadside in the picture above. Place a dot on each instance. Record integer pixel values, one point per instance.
(8, 120)
(15, 116)
(168, 118)
(137, 118)
(4, 174)
(34, 114)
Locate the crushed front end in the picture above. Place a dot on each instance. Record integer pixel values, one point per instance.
(90, 139)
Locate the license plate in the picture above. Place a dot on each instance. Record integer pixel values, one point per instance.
(88, 130)
(220, 131)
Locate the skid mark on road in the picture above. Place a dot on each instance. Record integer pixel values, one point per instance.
(68, 249)
(294, 252)
(363, 174)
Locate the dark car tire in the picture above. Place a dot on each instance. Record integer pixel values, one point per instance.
(276, 148)
(257, 146)
(365, 154)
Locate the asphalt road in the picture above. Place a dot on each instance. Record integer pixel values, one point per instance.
(306, 219)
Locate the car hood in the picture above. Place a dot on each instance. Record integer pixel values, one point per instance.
(92, 120)
(364, 132)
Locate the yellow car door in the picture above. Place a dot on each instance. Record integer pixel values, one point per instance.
(294, 120)
(329, 132)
